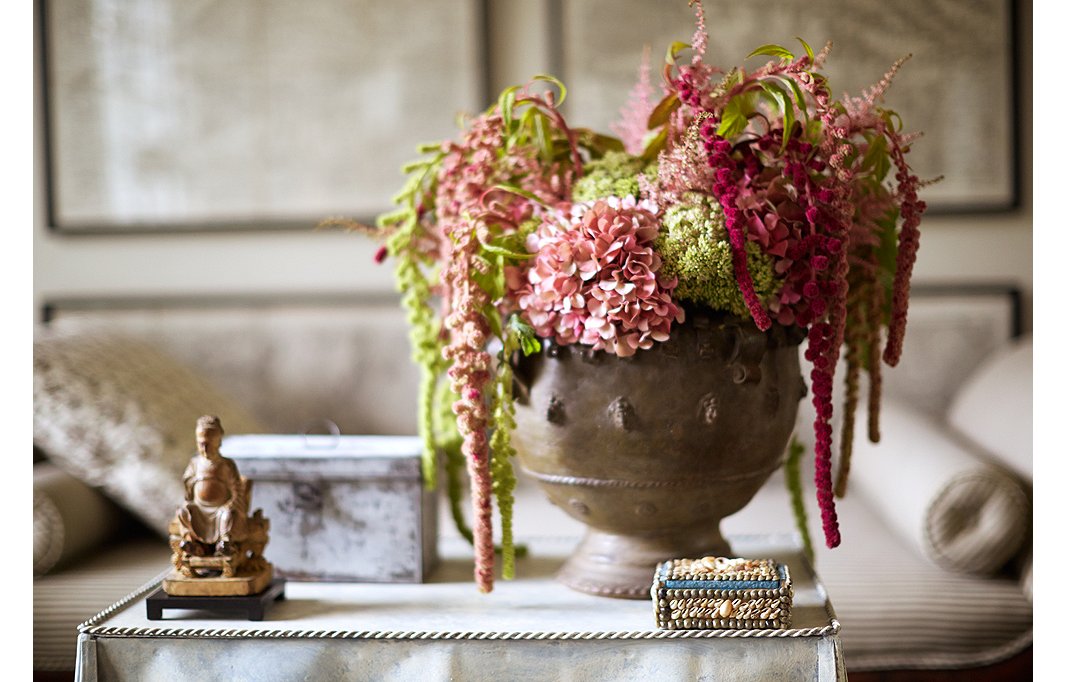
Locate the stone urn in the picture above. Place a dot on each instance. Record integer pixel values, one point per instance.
(651, 452)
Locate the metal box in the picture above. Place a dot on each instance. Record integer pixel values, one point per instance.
(341, 508)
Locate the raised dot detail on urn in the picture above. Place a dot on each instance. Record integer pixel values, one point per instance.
(646, 509)
(622, 414)
(556, 413)
(708, 409)
(579, 506)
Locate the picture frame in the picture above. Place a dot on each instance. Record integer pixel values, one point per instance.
(958, 88)
(167, 116)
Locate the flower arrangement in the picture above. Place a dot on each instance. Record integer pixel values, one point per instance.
(755, 193)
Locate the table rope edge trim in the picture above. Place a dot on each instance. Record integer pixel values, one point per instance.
(226, 633)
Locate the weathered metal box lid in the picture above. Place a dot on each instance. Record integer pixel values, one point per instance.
(311, 456)
(722, 593)
(341, 508)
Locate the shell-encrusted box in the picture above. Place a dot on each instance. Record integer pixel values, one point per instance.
(719, 593)
(341, 508)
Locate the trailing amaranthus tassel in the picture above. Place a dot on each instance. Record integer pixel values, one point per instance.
(911, 210)
(873, 345)
(469, 376)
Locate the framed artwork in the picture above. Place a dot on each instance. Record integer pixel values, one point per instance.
(958, 88)
(170, 115)
(298, 362)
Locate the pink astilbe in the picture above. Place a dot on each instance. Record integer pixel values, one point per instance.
(632, 127)
(683, 168)
(594, 279)
(699, 38)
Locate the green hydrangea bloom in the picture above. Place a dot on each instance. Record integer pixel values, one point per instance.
(613, 175)
(694, 247)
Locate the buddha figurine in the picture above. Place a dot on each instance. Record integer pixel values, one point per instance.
(215, 501)
(217, 547)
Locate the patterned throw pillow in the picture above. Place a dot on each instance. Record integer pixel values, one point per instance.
(121, 416)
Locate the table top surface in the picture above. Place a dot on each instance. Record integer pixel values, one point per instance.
(449, 606)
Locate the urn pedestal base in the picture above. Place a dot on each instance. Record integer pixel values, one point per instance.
(623, 566)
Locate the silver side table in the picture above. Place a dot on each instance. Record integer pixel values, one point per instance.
(531, 628)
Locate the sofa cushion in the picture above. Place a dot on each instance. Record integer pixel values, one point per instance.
(121, 417)
(941, 497)
(994, 407)
(69, 518)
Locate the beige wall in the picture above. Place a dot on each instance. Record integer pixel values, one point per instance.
(954, 248)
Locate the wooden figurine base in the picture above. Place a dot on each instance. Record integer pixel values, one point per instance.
(253, 606)
(178, 585)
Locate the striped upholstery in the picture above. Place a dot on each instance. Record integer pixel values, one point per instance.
(64, 600)
(898, 610)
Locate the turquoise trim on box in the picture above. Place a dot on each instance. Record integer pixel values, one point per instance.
(664, 571)
(722, 584)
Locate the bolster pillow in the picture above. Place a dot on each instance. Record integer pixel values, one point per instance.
(946, 500)
(69, 518)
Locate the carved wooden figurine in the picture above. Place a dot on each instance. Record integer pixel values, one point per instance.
(217, 547)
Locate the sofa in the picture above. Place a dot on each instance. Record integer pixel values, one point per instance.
(933, 577)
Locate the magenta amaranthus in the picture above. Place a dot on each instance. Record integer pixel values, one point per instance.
(528, 228)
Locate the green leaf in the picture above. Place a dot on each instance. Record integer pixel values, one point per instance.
(662, 111)
(772, 51)
(527, 337)
(505, 252)
(541, 135)
(506, 103)
(554, 81)
(797, 92)
(596, 142)
(514, 189)
(806, 48)
(654, 146)
(492, 314)
(876, 157)
(486, 281)
(784, 103)
(674, 49)
(427, 147)
(734, 119)
(893, 119)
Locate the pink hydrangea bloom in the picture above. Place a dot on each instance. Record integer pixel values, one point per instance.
(594, 279)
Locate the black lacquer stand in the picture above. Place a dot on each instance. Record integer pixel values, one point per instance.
(253, 606)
